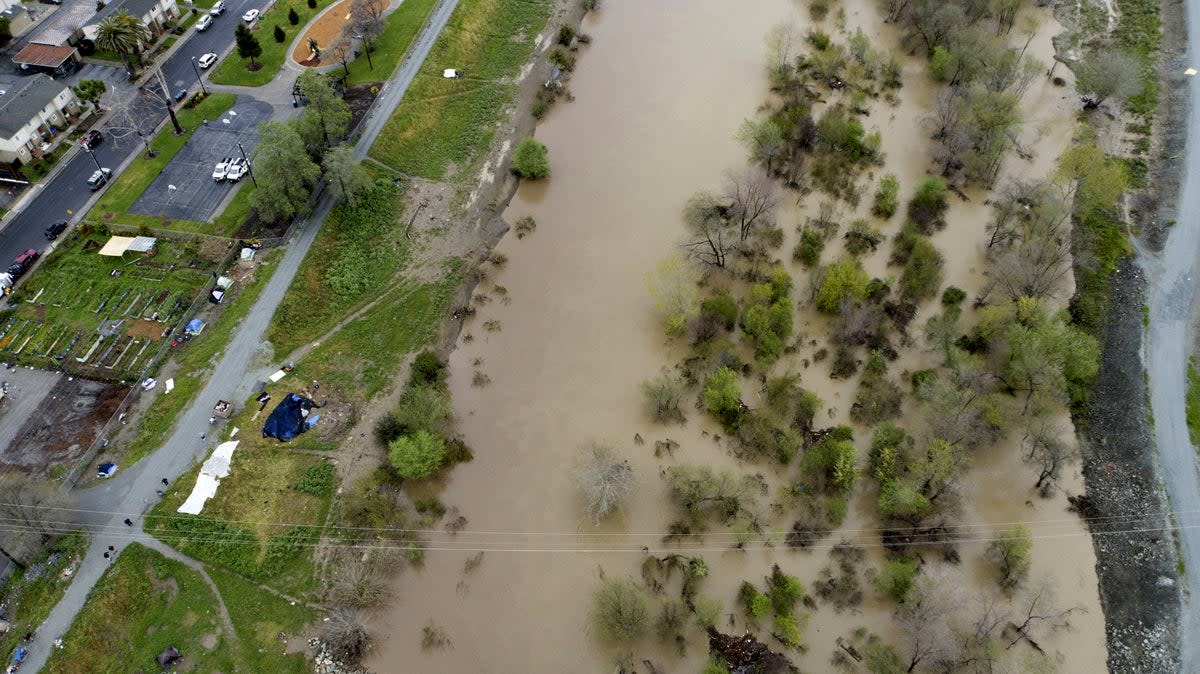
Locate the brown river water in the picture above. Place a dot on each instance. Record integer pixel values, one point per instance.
(659, 95)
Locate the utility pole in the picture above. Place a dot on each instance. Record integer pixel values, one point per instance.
(166, 98)
(93, 156)
(247, 160)
(199, 80)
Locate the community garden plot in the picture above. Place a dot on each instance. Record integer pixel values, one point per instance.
(104, 316)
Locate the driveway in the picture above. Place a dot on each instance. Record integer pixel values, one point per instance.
(196, 196)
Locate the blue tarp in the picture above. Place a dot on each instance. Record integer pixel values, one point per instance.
(287, 419)
(106, 470)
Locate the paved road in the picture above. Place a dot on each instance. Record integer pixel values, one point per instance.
(68, 192)
(1172, 291)
(132, 491)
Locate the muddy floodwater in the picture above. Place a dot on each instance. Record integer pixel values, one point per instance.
(659, 95)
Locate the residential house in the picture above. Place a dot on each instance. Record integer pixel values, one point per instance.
(154, 13)
(47, 59)
(32, 110)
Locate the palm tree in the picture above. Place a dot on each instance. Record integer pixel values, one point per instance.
(124, 34)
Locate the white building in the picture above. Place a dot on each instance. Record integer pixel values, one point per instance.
(153, 13)
(32, 110)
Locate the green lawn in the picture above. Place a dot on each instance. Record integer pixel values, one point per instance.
(194, 361)
(357, 252)
(144, 603)
(391, 45)
(119, 198)
(442, 122)
(258, 524)
(30, 598)
(232, 69)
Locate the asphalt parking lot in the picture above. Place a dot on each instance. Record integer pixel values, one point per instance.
(185, 189)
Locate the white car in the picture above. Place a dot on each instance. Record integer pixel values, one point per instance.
(250, 16)
(222, 169)
(218, 8)
(207, 60)
(204, 22)
(235, 170)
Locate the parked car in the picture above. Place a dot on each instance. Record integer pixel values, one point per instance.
(204, 22)
(91, 139)
(222, 169)
(236, 169)
(207, 60)
(218, 9)
(98, 178)
(54, 229)
(250, 16)
(16, 271)
(180, 95)
(27, 258)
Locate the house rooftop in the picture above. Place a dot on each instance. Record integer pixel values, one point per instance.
(62, 24)
(138, 8)
(48, 56)
(21, 98)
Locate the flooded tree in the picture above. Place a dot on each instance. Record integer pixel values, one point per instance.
(604, 479)
(753, 200)
(714, 236)
(1010, 552)
(924, 620)
(664, 398)
(1105, 74)
(619, 610)
(1047, 452)
(672, 285)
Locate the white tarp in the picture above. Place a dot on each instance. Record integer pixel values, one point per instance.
(279, 374)
(116, 246)
(215, 468)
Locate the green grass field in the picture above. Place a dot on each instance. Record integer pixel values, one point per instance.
(444, 122)
(1193, 403)
(114, 205)
(357, 252)
(161, 603)
(258, 525)
(61, 306)
(232, 69)
(391, 45)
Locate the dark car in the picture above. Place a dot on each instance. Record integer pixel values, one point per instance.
(180, 95)
(53, 230)
(91, 139)
(15, 270)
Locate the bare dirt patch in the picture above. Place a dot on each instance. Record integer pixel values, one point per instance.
(151, 330)
(62, 427)
(324, 30)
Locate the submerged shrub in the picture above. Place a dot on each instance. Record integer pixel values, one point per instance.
(417, 456)
(619, 610)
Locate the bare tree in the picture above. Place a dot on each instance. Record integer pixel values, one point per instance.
(37, 511)
(924, 620)
(858, 321)
(346, 636)
(825, 221)
(713, 234)
(605, 479)
(359, 578)
(1039, 616)
(1106, 74)
(1047, 452)
(366, 17)
(753, 199)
